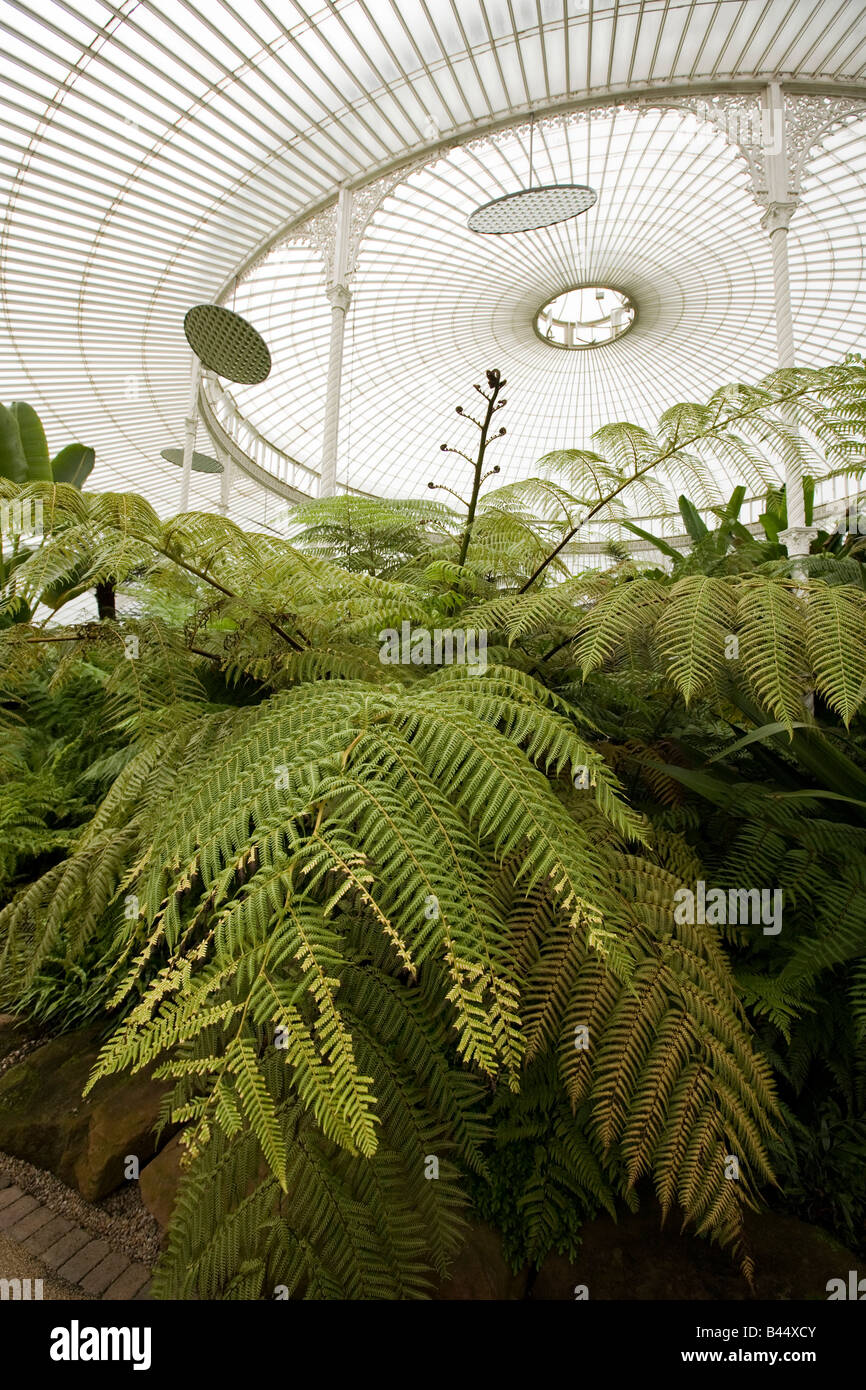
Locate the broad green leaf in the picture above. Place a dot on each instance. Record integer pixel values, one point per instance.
(695, 526)
(735, 502)
(73, 464)
(33, 442)
(653, 540)
(13, 461)
(756, 736)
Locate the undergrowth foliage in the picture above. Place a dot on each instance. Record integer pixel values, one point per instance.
(481, 922)
(360, 917)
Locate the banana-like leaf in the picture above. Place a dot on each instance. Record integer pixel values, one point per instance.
(775, 518)
(654, 540)
(732, 507)
(33, 442)
(772, 524)
(731, 528)
(694, 524)
(13, 460)
(73, 464)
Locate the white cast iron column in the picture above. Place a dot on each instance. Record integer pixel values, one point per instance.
(340, 297)
(782, 201)
(225, 480)
(190, 428)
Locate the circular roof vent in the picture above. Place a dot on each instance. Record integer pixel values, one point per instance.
(585, 317)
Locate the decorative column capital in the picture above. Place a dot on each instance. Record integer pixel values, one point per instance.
(797, 539)
(339, 296)
(778, 215)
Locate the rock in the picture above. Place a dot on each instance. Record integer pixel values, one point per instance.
(794, 1259)
(45, 1121)
(122, 1123)
(635, 1259)
(480, 1270)
(159, 1182)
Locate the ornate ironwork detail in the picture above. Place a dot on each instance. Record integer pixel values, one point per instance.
(808, 119)
(741, 117)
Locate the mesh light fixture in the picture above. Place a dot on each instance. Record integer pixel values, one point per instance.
(530, 208)
(227, 344)
(201, 463)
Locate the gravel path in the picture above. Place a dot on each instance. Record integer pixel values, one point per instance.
(121, 1218)
(79, 1249)
(16, 1263)
(28, 1046)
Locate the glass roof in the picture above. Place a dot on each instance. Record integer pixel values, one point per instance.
(434, 304)
(150, 148)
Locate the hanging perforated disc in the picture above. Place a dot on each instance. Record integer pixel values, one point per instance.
(532, 208)
(227, 344)
(201, 463)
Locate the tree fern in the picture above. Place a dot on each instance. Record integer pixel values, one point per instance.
(359, 917)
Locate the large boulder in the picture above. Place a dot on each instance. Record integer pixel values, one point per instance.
(159, 1182)
(794, 1259)
(85, 1142)
(481, 1271)
(637, 1259)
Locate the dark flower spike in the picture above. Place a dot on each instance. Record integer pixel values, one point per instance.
(495, 381)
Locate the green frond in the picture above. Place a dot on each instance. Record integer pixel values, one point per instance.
(692, 632)
(836, 645)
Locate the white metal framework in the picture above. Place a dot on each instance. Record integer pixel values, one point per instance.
(162, 153)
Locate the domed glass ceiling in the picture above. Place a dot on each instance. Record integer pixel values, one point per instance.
(676, 228)
(152, 149)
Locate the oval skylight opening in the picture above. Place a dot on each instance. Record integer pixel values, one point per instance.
(586, 317)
